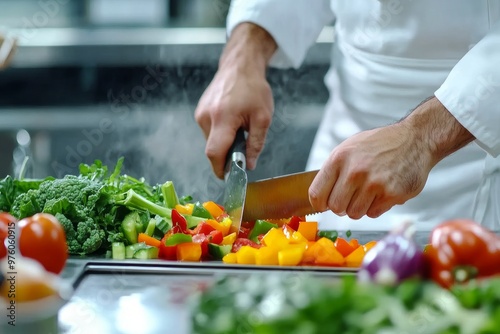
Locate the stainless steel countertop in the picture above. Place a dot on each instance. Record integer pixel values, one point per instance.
(147, 297)
(46, 47)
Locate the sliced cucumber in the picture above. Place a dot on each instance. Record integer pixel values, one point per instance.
(118, 250)
(147, 253)
(150, 229)
(131, 249)
(163, 224)
(129, 227)
(217, 252)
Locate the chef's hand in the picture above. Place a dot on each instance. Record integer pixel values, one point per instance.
(238, 96)
(374, 170)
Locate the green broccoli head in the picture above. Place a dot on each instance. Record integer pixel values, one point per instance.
(78, 203)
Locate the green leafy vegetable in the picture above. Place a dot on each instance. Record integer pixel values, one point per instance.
(298, 303)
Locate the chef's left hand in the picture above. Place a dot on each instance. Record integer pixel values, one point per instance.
(372, 171)
(369, 173)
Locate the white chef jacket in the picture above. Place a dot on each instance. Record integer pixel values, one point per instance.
(388, 56)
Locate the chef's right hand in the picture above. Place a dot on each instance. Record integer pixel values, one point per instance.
(238, 96)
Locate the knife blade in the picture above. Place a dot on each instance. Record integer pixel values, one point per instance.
(235, 181)
(279, 197)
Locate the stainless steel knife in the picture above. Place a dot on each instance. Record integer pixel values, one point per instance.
(236, 181)
(279, 197)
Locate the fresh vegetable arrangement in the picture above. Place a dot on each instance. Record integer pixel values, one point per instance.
(129, 218)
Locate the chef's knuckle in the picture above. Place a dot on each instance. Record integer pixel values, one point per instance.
(314, 197)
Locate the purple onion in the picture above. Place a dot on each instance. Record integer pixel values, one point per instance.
(394, 258)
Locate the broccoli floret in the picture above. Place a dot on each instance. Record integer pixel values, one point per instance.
(78, 203)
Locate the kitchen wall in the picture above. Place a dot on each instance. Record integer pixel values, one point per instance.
(89, 85)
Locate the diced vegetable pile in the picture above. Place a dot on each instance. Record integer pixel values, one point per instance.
(109, 212)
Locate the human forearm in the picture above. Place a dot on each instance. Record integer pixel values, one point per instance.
(436, 130)
(249, 46)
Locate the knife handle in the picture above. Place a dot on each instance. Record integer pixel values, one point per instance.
(237, 151)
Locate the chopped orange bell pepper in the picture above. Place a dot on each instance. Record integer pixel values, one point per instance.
(290, 256)
(343, 246)
(310, 254)
(229, 239)
(275, 238)
(326, 254)
(309, 230)
(354, 243)
(355, 258)
(213, 208)
(223, 226)
(229, 258)
(185, 209)
(143, 237)
(369, 245)
(246, 255)
(266, 256)
(189, 251)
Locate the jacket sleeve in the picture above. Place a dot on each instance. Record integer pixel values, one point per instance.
(472, 92)
(294, 24)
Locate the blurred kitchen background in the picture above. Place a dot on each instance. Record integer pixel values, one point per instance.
(100, 79)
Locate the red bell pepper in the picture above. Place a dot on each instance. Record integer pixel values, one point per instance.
(215, 237)
(294, 222)
(203, 228)
(461, 249)
(179, 223)
(167, 252)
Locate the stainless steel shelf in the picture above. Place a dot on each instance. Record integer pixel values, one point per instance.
(53, 47)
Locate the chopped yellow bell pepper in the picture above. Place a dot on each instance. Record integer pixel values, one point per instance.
(266, 256)
(213, 208)
(356, 257)
(246, 255)
(189, 251)
(297, 238)
(275, 238)
(309, 230)
(369, 245)
(186, 209)
(226, 225)
(290, 256)
(229, 258)
(229, 239)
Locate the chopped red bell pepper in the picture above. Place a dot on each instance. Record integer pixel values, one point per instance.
(294, 222)
(260, 238)
(179, 223)
(215, 237)
(203, 228)
(240, 242)
(167, 252)
(244, 232)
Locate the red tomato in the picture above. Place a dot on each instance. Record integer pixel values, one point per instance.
(5, 220)
(42, 238)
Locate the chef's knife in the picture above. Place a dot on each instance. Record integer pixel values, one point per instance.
(236, 180)
(279, 197)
